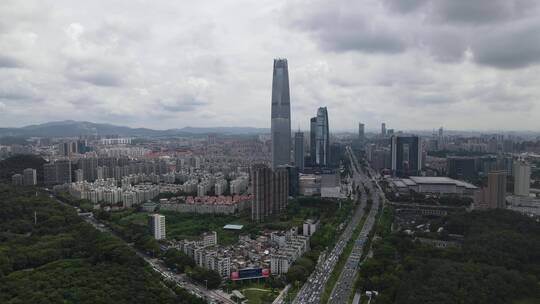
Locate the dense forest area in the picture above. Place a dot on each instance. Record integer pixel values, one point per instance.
(17, 163)
(498, 262)
(49, 255)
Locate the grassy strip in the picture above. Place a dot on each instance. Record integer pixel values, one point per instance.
(383, 228)
(334, 276)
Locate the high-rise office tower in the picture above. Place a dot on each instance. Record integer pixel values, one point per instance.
(89, 167)
(522, 178)
(261, 187)
(361, 134)
(406, 154)
(299, 150)
(29, 177)
(496, 189)
(156, 223)
(312, 139)
(281, 188)
(322, 138)
(63, 171)
(459, 167)
(383, 129)
(281, 115)
(270, 190)
(58, 172)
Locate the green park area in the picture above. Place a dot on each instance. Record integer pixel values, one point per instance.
(48, 254)
(190, 226)
(498, 261)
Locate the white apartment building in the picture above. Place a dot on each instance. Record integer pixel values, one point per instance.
(156, 223)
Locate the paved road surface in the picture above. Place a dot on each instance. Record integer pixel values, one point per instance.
(345, 284)
(312, 290)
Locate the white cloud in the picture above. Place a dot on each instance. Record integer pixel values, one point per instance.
(412, 63)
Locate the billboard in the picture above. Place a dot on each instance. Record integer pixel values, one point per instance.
(250, 273)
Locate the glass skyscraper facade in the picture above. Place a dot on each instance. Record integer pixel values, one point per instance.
(322, 138)
(299, 150)
(281, 115)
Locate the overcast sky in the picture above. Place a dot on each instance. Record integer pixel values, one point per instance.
(415, 64)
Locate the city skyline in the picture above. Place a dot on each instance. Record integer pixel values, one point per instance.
(146, 66)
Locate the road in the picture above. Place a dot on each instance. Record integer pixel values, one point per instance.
(158, 265)
(312, 289)
(345, 284)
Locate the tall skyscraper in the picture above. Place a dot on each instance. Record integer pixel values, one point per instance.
(156, 223)
(496, 189)
(322, 138)
(522, 178)
(89, 167)
(281, 115)
(58, 172)
(383, 129)
(261, 187)
(270, 190)
(312, 139)
(299, 150)
(406, 154)
(361, 134)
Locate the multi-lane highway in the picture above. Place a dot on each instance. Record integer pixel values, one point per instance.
(312, 290)
(345, 284)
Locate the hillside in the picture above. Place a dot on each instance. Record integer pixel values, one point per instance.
(70, 128)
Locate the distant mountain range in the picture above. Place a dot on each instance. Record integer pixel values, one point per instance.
(71, 128)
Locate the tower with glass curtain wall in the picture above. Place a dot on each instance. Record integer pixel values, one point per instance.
(281, 115)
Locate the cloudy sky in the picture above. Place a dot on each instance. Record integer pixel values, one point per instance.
(415, 64)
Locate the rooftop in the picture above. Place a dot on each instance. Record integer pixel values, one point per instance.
(233, 227)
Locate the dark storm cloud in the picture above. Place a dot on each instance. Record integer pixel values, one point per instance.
(94, 73)
(509, 48)
(9, 62)
(183, 103)
(102, 79)
(404, 6)
(480, 11)
(338, 28)
(503, 34)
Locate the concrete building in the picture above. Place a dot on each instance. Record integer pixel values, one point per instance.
(433, 185)
(270, 191)
(383, 129)
(58, 172)
(461, 167)
(29, 177)
(291, 247)
(156, 223)
(406, 154)
(310, 226)
(361, 132)
(312, 139)
(522, 178)
(496, 191)
(299, 150)
(309, 184)
(281, 114)
(17, 179)
(261, 187)
(79, 176)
